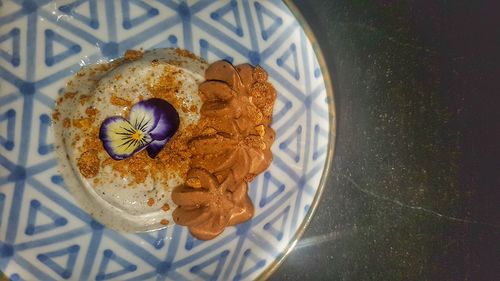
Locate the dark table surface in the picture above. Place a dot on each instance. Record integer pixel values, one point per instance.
(415, 189)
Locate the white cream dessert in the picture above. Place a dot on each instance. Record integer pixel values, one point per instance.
(125, 194)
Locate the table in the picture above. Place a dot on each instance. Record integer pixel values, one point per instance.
(415, 189)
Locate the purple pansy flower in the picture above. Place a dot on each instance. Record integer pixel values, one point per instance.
(151, 124)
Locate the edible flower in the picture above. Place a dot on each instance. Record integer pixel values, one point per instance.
(150, 126)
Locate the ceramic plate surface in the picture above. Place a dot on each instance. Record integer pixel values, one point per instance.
(44, 235)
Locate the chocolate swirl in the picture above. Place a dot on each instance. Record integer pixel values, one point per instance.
(232, 146)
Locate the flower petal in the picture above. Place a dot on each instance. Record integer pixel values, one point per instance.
(168, 121)
(120, 139)
(144, 116)
(156, 117)
(155, 147)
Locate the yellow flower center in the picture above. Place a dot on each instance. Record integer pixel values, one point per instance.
(137, 135)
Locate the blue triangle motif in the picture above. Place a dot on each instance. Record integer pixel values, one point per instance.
(11, 55)
(318, 133)
(35, 208)
(268, 181)
(219, 16)
(90, 20)
(155, 238)
(2, 203)
(10, 117)
(64, 271)
(51, 58)
(280, 112)
(294, 137)
(317, 69)
(108, 256)
(15, 276)
(169, 42)
(43, 147)
(220, 259)
(267, 31)
(248, 256)
(291, 52)
(205, 47)
(57, 179)
(128, 22)
(278, 219)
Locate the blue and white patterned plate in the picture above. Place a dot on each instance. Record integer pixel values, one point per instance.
(44, 235)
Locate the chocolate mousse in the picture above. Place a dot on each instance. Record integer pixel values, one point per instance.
(232, 146)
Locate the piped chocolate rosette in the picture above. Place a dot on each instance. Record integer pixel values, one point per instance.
(231, 146)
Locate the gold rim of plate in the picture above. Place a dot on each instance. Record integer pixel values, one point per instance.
(331, 143)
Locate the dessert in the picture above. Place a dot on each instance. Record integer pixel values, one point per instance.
(232, 146)
(160, 137)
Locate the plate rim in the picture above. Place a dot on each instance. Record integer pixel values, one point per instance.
(271, 268)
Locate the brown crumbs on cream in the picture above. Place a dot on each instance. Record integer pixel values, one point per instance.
(151, 202)
(66, 123)
(165, 207)
(83, 123)
(55, 115)
(91, 111)
(120, 102)
(88, 163)
(186, 54)
(133, 55)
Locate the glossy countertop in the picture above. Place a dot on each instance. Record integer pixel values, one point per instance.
(415, 189)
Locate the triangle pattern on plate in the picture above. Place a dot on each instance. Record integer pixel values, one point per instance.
(58, 179)
(249, 263)
(281, 107)
(211, 268)
(272, 188)
(15, 276)
(276, 226)
(317, 69)
(318, 150)
(9, 46)
(229, 16)
(9, 117)
(292, 145)
(156, 239)
(87, 13)
(110, 256)
(61, 261)
(37, 208)
(240, 31)
(289, 61)
(58, 48)
(2, 204)
(205, 48)
(131, 15)
(263, 15)
(43, 146)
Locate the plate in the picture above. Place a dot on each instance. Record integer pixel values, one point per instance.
(45, 235)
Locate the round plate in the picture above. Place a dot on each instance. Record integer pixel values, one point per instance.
(44, 235)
